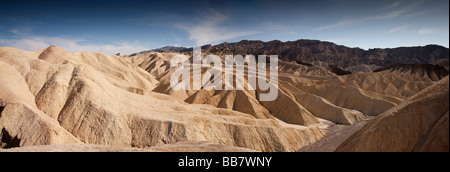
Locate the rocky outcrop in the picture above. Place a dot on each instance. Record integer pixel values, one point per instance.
(23, 125)
(2, 106)
(402, 128)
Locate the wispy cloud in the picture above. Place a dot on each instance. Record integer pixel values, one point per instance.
(212, 30)
(427, 31)
(392, 5)
(73, 45)
(278, 29)
(417, 13)
(21, 31)
(156, 20)
(25, 21)
(390, 15)
(420, 13)
(339, 24)
(396, 9)
(291, 33)
(398, 29)
(433, 31)
(279, 26)
(396, 12)
(15, 31)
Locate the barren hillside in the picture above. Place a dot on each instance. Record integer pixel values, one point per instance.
(51, 96)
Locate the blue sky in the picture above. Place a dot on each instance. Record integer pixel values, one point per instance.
(112, 26)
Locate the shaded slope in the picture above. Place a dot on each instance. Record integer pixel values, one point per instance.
(404, 126)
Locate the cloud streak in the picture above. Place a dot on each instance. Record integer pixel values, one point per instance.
(212, 30)
(73, 45)
(394, 10)
(21, 31)
(278, 29)
(339, 24)
(393, 5)
(427, 31)
(397, 12)
(398, 29)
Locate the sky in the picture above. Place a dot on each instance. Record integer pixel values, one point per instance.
(113, 26)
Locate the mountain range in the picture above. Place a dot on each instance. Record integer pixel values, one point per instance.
(322, 52)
